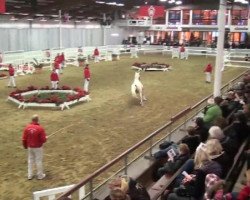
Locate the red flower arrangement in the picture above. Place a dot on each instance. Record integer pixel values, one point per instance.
(152, 65)
(3, 75)
(52, 98)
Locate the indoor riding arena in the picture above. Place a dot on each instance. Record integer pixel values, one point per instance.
(98, 131)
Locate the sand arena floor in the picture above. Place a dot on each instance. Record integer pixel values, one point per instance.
(94, 133)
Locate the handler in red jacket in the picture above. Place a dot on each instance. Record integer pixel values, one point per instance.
(54, 78)
(33, 138)
(86, 74)
(12, 82)
(96, 55)
(208, 71)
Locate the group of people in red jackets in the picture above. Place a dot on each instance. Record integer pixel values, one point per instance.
(59, 63)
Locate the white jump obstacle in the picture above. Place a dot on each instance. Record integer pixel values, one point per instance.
(50, 194)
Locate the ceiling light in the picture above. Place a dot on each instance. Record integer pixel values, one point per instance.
(77, 21)
(43, 20)
(100, 2)
(178, 2)
(171, 1)
(13, 18)
(30, 19)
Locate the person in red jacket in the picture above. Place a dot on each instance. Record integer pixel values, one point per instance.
(12, 82)
(208, 71)
(96, 55)
(57, 63)
(33, 138)
(86, 74)
(244, 194)
(54, 78)
(62, 59)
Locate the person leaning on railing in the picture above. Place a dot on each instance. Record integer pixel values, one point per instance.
(212, 111)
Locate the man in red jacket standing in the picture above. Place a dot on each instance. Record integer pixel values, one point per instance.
(54, 78)
(12, 76)
(33, 138)
(86, 74)
(96, 55)
(208, 71)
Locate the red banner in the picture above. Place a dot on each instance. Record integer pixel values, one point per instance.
(2, 6)
(152, 11)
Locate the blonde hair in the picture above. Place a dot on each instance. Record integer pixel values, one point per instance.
(121, 183)
(213, 147)
(200, 156)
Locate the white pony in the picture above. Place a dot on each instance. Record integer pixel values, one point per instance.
(137, 88)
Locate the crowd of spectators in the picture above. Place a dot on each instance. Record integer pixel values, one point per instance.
(213, 140)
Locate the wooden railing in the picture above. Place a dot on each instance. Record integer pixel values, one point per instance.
(193, 111)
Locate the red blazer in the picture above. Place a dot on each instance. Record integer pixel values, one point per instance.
(208, 68)
(86, 73)
(96, 52)
(11, 71)
(33, 136)
(54, 76)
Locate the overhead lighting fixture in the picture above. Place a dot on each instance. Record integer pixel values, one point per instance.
(39, 15)
(171, 1)
(163, 0)
(13, 18)
(43, 20)
(30, 19)
(77, 21)
(178, 2)
(100, 2)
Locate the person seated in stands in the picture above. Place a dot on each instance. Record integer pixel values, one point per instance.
(192, 183)
(163, 152)
(221, 122)
(230, 145)
(127, 188)
(182, 51)
(240, 127)
(244, 193)
(216, 153)
(176, 162)
(212, 111)
(215, 189)
(229, 104)
(201, 129)
(192, 139)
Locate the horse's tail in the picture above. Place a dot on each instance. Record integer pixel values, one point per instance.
(133, 90)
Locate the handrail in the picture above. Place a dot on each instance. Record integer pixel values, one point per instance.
(106, 166)
(180, 114)
(103, 168)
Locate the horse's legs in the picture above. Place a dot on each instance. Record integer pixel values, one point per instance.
(143, 95)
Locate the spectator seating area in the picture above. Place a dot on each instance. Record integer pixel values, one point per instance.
(216, 142)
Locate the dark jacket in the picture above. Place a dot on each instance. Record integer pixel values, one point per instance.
(171, 167)
(192, 142)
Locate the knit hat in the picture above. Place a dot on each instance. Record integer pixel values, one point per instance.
(210, 101)
(216, 133)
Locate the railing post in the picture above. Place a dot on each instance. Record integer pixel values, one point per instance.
(126, 164)
(91, 189)
(169, 137)
(150, 148)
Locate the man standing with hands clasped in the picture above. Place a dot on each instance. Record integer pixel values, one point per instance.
(86, 74)
(33, 138)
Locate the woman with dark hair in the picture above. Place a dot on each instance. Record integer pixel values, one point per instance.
(200, 129)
